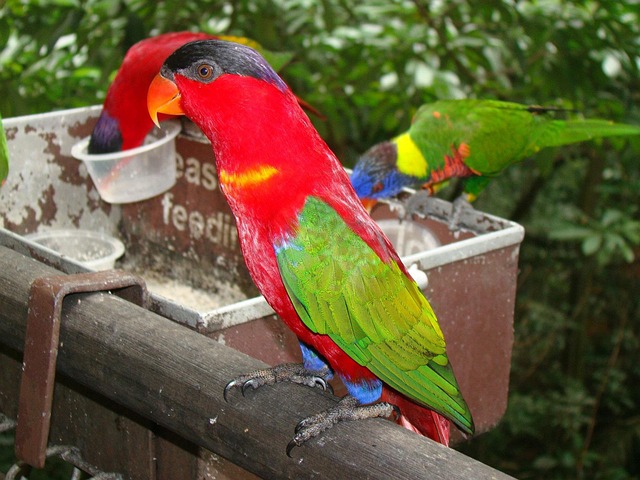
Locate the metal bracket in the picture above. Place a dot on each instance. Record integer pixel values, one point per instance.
(41, 349)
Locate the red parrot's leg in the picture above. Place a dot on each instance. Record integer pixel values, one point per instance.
(348, 408)
(287, 372)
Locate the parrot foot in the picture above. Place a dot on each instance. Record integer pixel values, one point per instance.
(459, 206)
(421, 204)
(348, 408)
(287, 372)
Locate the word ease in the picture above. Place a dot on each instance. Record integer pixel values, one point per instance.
(195, 172)
(216, 227)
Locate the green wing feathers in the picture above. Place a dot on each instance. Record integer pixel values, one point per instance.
(370, 309)
(498, 133)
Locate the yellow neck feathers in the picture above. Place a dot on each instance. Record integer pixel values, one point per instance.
(410, 160)
(251, 177)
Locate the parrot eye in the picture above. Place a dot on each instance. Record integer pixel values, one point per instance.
(205, 71)
(377, 187)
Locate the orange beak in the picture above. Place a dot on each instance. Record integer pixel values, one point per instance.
(163, 97)
(368, 203)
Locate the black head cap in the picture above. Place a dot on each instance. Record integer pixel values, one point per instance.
(206, 60)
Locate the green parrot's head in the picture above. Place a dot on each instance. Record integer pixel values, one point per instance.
(376, 174)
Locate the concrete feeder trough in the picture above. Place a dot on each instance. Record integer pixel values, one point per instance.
(184, 243)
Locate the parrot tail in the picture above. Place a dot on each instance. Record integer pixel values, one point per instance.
(417, 418)
(574, 131)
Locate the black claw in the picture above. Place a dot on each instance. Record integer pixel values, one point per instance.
(229, 386)
(320, 382)
(299, 426)
(249, 383)
(329, 387)
(290, 446)
(397, 413)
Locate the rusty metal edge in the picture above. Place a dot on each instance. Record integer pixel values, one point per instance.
(33, 119)
(466, 249)
(256, 307)
(157, 303)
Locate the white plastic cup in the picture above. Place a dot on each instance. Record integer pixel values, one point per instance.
(135, 174)
(95, 250)
(408, 237)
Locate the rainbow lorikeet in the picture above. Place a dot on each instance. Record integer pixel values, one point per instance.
(124, 121)
(4, 155)
(470, 139)
(311, 248)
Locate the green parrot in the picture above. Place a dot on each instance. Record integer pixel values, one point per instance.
(471, 139)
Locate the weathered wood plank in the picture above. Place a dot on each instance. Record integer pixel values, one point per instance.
(175, 377)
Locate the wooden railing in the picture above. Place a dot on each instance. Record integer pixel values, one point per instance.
(174, 378)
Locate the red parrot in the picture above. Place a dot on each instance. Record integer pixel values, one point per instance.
(311, 248)
(124, 122)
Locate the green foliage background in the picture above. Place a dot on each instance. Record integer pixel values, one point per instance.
(574, 409)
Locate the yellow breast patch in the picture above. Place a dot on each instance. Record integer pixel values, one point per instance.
(248, 178)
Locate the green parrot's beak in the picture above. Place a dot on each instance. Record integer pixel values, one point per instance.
(368, 203)
(163, 97)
